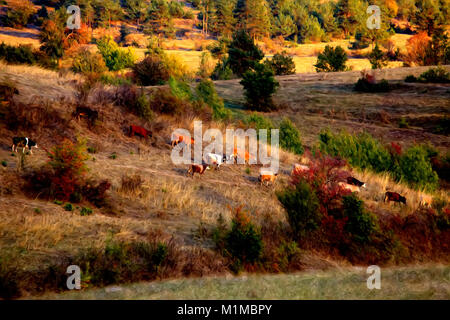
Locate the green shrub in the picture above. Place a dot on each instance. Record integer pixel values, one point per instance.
(91, 150)
(23, 54)
(207, 93)
(113, 156)
(290, 137)
(302, 207)
(222, 71)
(281, 64)
(143, 108)
(58, 202)
(37, 211)
(360, 224)
(259, 85)
(115, 57)
(377, 59)
(257, 122)
(88, 62)
(151, 71)
(85, 211)
(243, 242)
(414, 167)
(331, 60)
(435, 75)
(68, 207)
(180, 89)
(4, 163)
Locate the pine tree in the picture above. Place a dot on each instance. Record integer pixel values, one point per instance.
(377, 58)
(224, 21)
(243, 53)
(428, 16)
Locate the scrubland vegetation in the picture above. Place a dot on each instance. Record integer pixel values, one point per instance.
(113, 203)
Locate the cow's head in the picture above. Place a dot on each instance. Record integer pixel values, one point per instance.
(363, 186)
(32, 144)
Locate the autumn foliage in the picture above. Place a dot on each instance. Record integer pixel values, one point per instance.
(68, 163)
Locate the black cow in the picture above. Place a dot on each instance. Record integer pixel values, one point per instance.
(355, 182)
(23, 142)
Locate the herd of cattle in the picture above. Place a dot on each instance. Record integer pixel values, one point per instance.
(266, 176)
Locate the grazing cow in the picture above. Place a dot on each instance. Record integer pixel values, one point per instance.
(299, 168)
(394, 196)
(91, 115)
(348, 187)
(23, 142)
(178, 138)
(355, 182)
(139, 131)
(213, 158)
(197, 168)
(426, 201)
(243, 154)
(267, 176)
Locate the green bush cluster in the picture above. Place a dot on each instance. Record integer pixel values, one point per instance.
(360, 224)
(432, 75)
(86, 62)
(290, 137)
(22, 54)
(243, 242)
(302, 207)
(207, 93)
(281, 64)
(413, 166)
(115, 57)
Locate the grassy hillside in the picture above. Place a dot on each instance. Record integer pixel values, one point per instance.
(35, 233)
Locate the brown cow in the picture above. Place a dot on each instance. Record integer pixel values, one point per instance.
(139, 131)
(267, 176)
(178, 138)
(197, 168)
(91, 115)
(394, 196)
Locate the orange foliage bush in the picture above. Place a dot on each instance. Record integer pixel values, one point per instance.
(416, 49)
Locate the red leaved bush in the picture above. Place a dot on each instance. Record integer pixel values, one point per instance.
(323, 176)
(68, 163)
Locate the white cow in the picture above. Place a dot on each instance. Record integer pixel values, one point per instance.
(214, 158)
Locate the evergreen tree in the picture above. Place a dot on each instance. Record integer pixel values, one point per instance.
(243, 53)
(377, 58)
(428, 16)
(224, 21)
